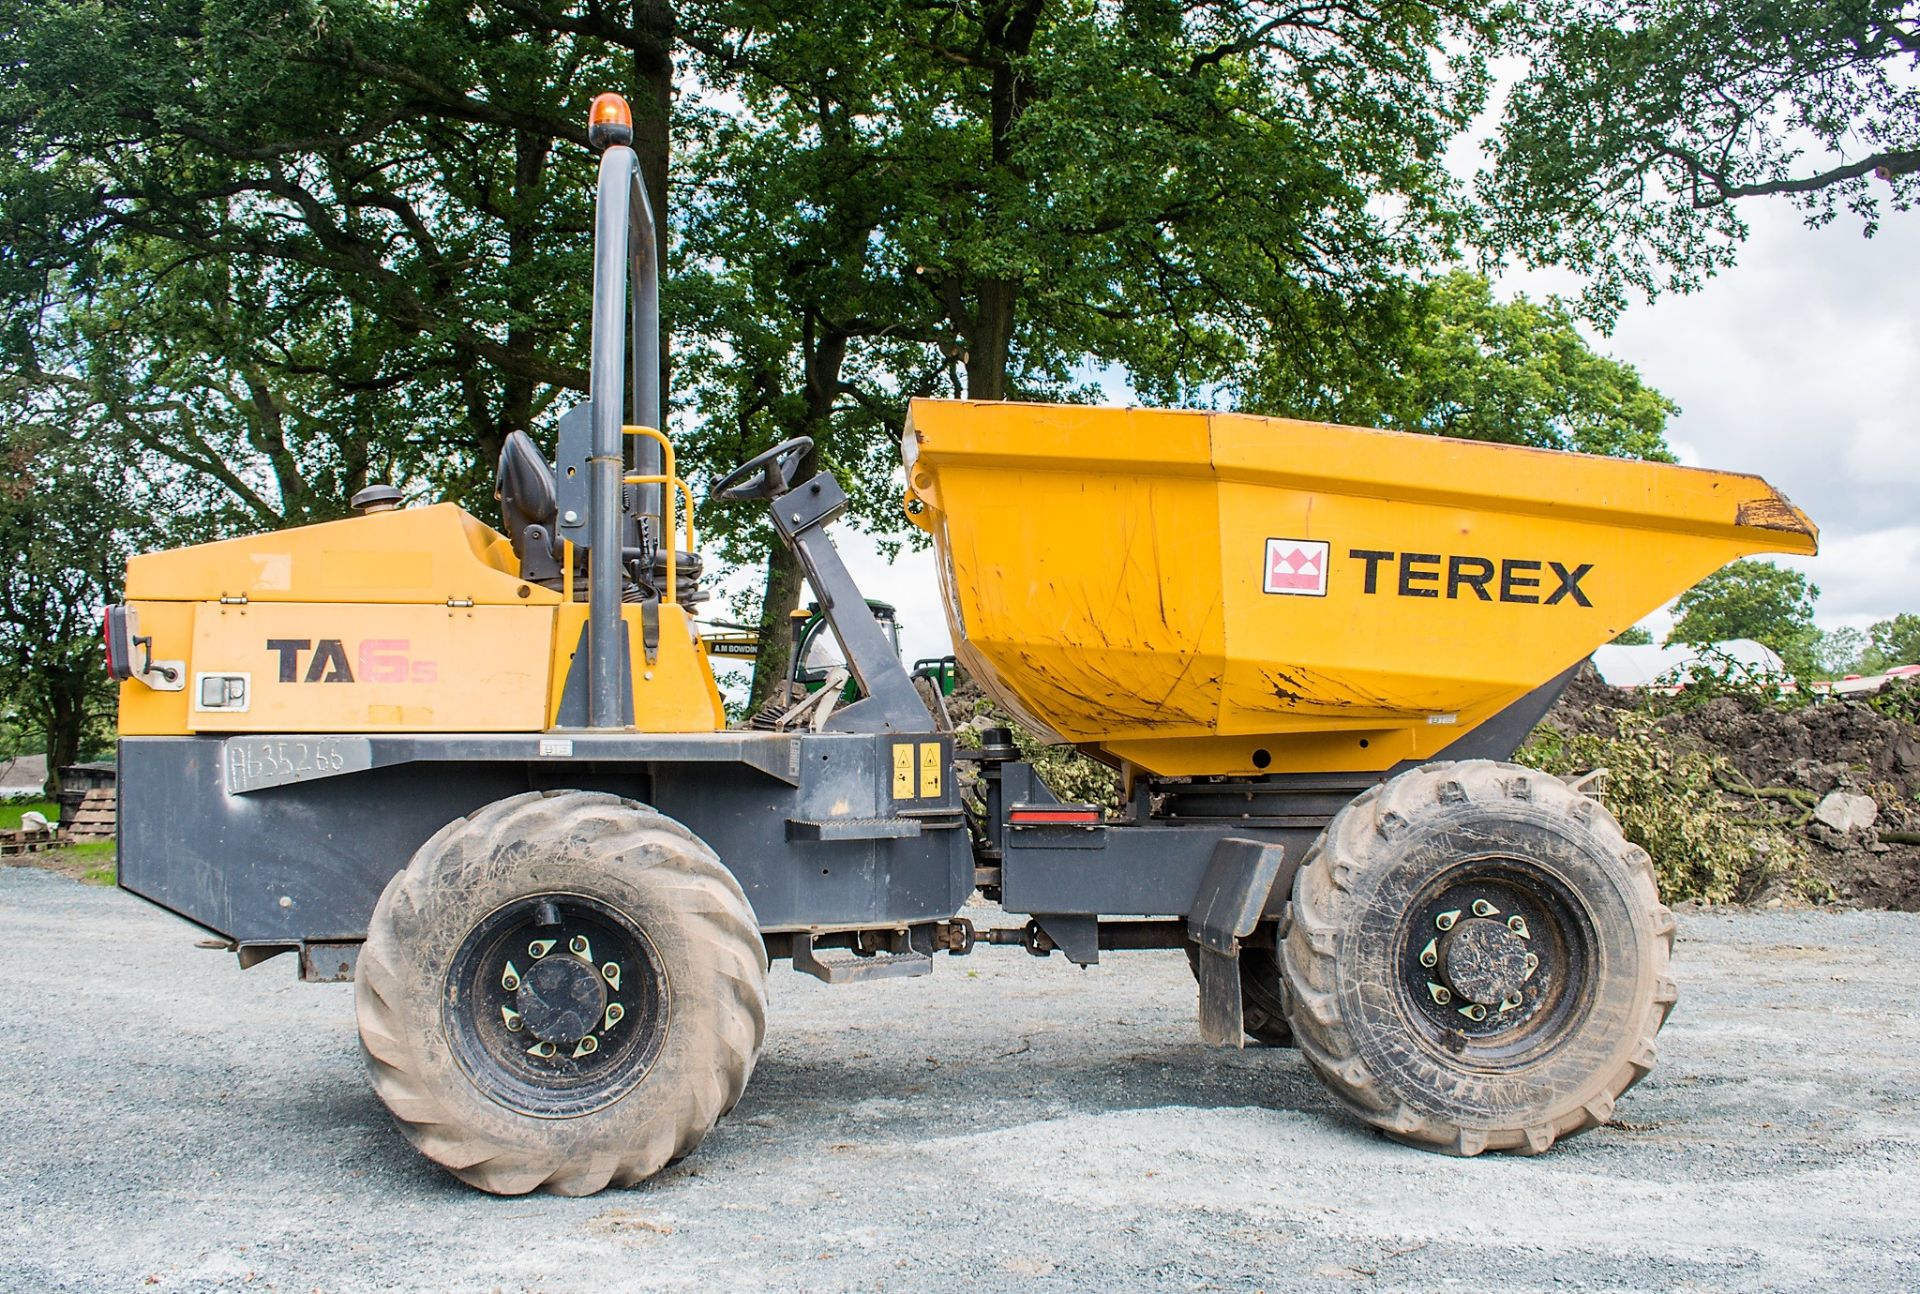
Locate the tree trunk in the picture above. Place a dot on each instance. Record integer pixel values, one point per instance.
(991, 339)
(65, 723)
(652, 118)
(777, 604)
(1009, 28)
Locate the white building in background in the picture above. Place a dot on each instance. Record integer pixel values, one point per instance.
(1665, 666)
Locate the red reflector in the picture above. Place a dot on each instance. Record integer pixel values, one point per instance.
(106, 633)
(1053, 817)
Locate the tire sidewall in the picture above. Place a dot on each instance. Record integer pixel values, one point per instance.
(431, 913)
(1612, 1006)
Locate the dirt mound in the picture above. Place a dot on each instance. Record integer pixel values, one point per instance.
(1798, 767)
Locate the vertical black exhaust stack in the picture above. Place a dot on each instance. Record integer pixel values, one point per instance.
(623, 238)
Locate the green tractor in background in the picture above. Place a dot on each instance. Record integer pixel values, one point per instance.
(815, 662)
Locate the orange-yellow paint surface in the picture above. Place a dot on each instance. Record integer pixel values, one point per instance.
(676, 693)
(408, 555)
(1107, 574)
(396, 668)
(346, 627)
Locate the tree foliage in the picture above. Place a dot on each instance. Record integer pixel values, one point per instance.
(1752, 599)
(1840, 651)
(293, 246)
(66, 520)
(326, 232)
(1517, 372)
(1891, 642)
(979, 200)
(1641, 125)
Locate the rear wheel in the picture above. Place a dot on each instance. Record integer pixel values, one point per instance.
(1477, 959)
(564, 991)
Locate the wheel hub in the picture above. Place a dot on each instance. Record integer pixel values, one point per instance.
(556, 1004)
(561, 999)
(1484, 961)
(1482, 969)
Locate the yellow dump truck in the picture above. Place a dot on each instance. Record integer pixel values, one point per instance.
(486, 774)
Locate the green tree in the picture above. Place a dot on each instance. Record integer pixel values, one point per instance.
(1752, 599)
(292, 247)
(1634, 636)
(64, 521)
(1517, 372)
(1840, 651)
(336, 219)
(1640, 126)
(977, 201)
(1894, 641)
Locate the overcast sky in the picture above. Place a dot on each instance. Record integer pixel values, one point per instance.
(1802, 363)
(1799, 364)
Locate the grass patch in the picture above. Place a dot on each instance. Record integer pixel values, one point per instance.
(11, 811)
(93, 862)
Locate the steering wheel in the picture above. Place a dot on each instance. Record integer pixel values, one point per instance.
(764, 476)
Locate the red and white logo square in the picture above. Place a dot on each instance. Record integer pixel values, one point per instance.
(1297, 566)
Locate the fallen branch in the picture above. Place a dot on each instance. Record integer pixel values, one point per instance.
(1792, 794)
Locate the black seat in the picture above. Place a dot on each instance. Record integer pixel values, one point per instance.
(530, 511)
(524, 485)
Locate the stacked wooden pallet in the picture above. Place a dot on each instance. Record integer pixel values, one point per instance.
(26, 840)
(95, 819)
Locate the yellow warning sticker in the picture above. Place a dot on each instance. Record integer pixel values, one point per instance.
(903, 771)
(929, 770)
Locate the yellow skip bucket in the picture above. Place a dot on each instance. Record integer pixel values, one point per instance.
(1204, 593)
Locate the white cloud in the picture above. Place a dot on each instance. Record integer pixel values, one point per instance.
(1799, 364)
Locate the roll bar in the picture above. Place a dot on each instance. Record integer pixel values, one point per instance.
(623, 240)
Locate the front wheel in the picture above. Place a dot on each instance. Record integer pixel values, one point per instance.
(1477, 959)
(564, 991)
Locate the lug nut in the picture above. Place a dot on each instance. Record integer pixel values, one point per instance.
(1518, 924)
(611, 973)
(1446, 919)
(512, 1019)
(1533, 964)
(579, 947)
(588, 1045)
(1482, 908)
(1430, 955)
(544, 1050)
(1474, 1012)
(1440, 993)
(1509, 1003)
(539, 948)
(615, 1014)
(510, 978)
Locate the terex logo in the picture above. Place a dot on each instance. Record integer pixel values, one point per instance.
(1516, 579)
(379, 660)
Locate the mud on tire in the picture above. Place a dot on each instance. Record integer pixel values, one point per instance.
(431, 1023)
(1465, 890)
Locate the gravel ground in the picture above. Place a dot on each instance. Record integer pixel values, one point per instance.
(167, 1122)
